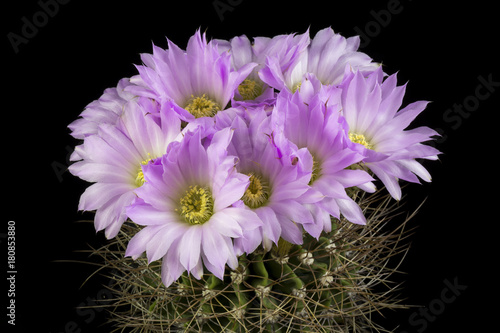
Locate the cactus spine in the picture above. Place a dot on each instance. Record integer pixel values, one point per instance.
(331, 284)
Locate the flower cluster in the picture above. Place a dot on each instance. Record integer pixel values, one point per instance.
(228, 146)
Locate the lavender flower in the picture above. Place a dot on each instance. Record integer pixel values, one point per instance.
(186, 208)
(376, 129)
(327, 57)
(107, 109)
(113, 159)
(276, 190)
(284, 48)
(199, 81)
(311, 134)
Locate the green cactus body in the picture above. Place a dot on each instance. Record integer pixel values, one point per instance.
(323, 285)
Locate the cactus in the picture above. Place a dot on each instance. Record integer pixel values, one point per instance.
(331, 284)
(188, 171)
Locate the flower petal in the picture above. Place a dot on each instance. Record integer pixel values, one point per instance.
(190, 243)
(145, 214)
(171, 268)
(351, 211)
(159, 243)
(137, 245)
(215, 249)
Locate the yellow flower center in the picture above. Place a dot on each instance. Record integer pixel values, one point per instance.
(257, 193)
(202, 106)
(360, 138)
(250, 89)
(197, 205)
(316, 170)
(139, 180)
(296, 87)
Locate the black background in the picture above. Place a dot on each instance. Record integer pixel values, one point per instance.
(440, 49)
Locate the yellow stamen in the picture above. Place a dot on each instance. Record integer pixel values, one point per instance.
(257, 193)
(139, 180)
(250, 89)
(296, 87)
(202, 106)
(196, 207)
(360, 138)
